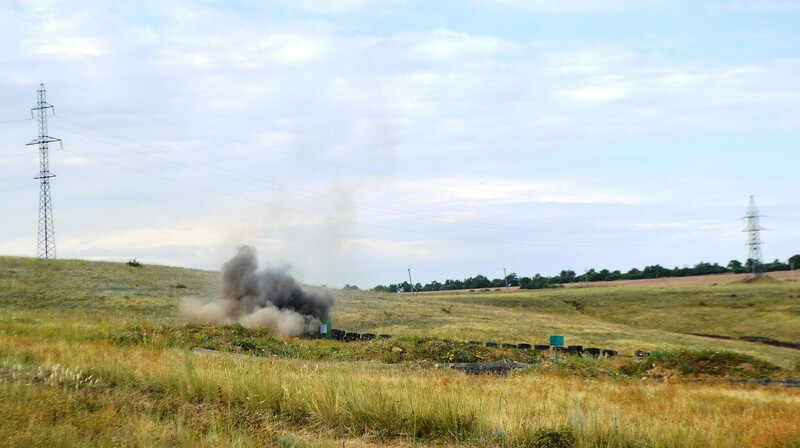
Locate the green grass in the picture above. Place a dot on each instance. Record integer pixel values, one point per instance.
(97, 354)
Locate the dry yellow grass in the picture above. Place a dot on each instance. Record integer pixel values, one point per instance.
(699, 280)
(66, 379)
(242, 398)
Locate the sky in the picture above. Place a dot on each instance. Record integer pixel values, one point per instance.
(352, 140)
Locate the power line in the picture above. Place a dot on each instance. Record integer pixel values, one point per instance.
(305, 157)
(15, 121)
(352, 221)
(316, 196)
(15, 155)
(220, 137)
(312, 195)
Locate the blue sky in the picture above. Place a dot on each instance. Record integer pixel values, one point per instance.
(351, 139)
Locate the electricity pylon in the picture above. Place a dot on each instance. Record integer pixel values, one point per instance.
(753, 230)
(47, 240)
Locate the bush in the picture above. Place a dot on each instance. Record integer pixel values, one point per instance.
(708, 363)
(562, 437)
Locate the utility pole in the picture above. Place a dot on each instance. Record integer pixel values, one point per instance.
(47, 240)
(505, 277)
(410, 283)
(753, 230)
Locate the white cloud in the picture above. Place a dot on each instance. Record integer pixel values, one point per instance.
(570, 6)
(443, 45)
(471, 192)
(594, 94)
(339, 6)
(292, 48)
(759, 6)
(67, 48)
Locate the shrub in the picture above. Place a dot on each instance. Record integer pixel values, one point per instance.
(563, 437)
(702, 363)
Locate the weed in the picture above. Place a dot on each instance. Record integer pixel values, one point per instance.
(562, 437)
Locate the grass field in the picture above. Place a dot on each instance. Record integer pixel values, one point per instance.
(97, 354)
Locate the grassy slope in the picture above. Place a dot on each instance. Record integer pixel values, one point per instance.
(151, 391)
(624, 319)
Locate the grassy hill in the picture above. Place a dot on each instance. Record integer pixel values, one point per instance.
(96, 353)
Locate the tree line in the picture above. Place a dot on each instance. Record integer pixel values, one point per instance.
(539, 281)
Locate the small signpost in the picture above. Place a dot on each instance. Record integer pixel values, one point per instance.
(325, 329)
(556, 342)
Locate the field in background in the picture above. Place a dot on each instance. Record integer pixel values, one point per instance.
(97, 354)
(700, 280)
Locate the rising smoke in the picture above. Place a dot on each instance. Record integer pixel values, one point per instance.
(266, 298)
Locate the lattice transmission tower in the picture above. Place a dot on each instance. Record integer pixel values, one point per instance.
(753, 230)
(47, 240)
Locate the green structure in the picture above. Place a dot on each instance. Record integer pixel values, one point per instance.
(556, 342)
(325, 329)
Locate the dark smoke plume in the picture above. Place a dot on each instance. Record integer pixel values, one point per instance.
(267, 298)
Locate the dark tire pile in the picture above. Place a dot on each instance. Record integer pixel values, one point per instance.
(578, 350)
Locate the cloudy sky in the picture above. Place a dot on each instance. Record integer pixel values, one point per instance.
(352, 139)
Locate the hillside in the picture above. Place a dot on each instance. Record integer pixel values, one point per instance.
(98, 353)
(625, 318)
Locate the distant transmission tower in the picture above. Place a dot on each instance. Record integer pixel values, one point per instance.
(47, 240)
(753, 230)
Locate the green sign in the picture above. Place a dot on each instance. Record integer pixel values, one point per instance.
(556, 342)
(325, 329)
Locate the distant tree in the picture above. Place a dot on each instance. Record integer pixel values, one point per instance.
(350, 287)
(704, 268)
(566, 276)
(776, 265)
(601, 276)
(512, 279)
(480, 281)
(751, 265)
(655, 271)
(633, 274)
(452, 284)
(736, 267)
(432, 286)
(540, 282)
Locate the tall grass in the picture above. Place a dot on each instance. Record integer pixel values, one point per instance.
(95, 354)
(240, 396)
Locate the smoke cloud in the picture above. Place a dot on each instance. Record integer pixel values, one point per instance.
(267, 298)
